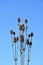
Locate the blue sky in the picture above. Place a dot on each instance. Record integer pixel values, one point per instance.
(10, 10)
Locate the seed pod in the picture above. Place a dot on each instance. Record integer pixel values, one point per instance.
(18, 19)
(20, 27)
(15, 40)
(31, 34)
(14, 33)
(27, 41)
(21, 38)
(30, 44)
(25, 20)
(11, 31)
(23, 28)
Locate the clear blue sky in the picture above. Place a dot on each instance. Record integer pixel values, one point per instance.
(10, 10)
